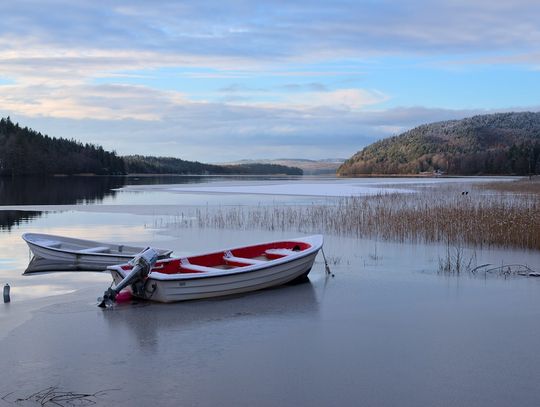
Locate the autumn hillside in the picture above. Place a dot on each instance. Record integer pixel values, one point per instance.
(502, 143)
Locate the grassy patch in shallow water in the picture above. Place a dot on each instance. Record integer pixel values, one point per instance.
(480, 217)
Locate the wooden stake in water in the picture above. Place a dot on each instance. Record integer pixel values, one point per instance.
(6, 293)
(326, 267)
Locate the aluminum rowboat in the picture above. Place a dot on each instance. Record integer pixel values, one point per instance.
(81, 254)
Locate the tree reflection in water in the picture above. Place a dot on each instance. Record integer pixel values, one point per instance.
(51, 191)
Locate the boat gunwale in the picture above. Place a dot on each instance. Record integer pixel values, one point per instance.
(79, 253)
(316, 242)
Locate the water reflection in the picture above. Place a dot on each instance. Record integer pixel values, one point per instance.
(8, 219)
(39, 265)
(57, 190)
(51, 191)
(198, 179)
(80, 190)
(148, 322)
(89, 189)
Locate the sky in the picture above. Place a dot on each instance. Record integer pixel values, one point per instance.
(218, 81)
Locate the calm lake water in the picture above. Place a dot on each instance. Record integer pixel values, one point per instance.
(388, 330)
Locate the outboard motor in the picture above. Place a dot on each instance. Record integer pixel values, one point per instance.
(142, 264)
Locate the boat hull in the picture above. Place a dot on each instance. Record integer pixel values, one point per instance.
(79, 260)
(182, 287)
(65, 253)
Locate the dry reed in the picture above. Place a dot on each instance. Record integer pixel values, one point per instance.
(525, 185)
(435, 214)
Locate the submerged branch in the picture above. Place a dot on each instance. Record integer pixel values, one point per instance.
(53, 396)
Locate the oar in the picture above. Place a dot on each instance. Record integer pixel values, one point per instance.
(142, 264)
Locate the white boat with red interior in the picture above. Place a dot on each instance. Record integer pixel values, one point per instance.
(219, 273)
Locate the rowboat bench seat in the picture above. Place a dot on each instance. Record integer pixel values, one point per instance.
(240, 261)
(97, 249)
(186, 265)
(278, 253)
(50, 243)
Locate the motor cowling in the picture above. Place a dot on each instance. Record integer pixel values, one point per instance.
(142, 264)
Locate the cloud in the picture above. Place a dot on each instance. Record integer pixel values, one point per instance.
(353, 99)
(217, 132)
(278, 31)
(108, 102)
(307, 87)
(240, 88)
(530, 60)
(73, 42)
(52, 53)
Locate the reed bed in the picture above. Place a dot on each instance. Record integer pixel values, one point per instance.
(525, 185)
(436, 214)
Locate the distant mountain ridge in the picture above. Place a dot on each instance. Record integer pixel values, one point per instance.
(309, 167)
(138, 164)
(501, 143)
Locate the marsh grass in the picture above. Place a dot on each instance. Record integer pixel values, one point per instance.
(436, 214)
(455, 260)
(523, 185)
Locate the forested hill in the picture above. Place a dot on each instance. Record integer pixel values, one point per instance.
(502, 143)
(26, 152)
(138, 164)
